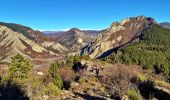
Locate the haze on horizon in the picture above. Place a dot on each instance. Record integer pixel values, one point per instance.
(84, 14)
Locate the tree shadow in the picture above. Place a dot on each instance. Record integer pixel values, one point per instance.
(88, 97)
(148, 91)
(11, 91)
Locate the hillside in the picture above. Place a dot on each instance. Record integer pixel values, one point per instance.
(36, 36)
(12, 43)
(119, 33)
(152, 52)
(75, 39)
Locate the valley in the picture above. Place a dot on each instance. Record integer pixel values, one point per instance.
(130, 60)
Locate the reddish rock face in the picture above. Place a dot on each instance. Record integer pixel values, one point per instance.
(118, 34)
(12, 43)
(74, 39)
(37, 37)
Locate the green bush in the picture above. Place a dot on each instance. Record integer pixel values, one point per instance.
(134, 95)
(58, 81)
(34, 86)
(72, 59)
(53, 68)
(51, 90)
(19, 68)
(81, 80)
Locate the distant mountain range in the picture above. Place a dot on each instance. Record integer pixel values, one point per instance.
(165, 25)
(50, 32)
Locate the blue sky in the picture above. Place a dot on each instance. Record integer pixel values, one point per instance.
(84, 14)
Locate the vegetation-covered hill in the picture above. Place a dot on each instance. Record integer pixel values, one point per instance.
(152, 52)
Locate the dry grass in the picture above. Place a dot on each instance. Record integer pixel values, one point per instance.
(118, 78)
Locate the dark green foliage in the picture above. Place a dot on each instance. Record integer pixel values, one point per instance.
(157, 35)
(72, 59)
(149, 56)
(75, 62)
(58, 81)
(51, 90)
(53, 69)
(77, 66)
(113, 58)
(19, 68)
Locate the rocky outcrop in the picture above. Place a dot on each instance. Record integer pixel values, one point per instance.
(117, 35)
(12, 43)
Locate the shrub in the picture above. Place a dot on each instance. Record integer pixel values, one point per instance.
(72, 59)
(67, 75)
(142, 78)
(58, 81)
(19, 68)
(51, 90)
(86, 57)
(34, 86)
(134, 95)
(81, 80)
(53, 69)
(77, 66)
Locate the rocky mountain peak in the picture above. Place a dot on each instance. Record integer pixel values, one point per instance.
(117, 34)
(75, 31)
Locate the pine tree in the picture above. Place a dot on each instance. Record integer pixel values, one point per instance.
(19, 68)
(53, 69)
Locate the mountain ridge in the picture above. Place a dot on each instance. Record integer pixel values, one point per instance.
(12, 43)
(37, 36)
(87, 42)
(117, 34)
